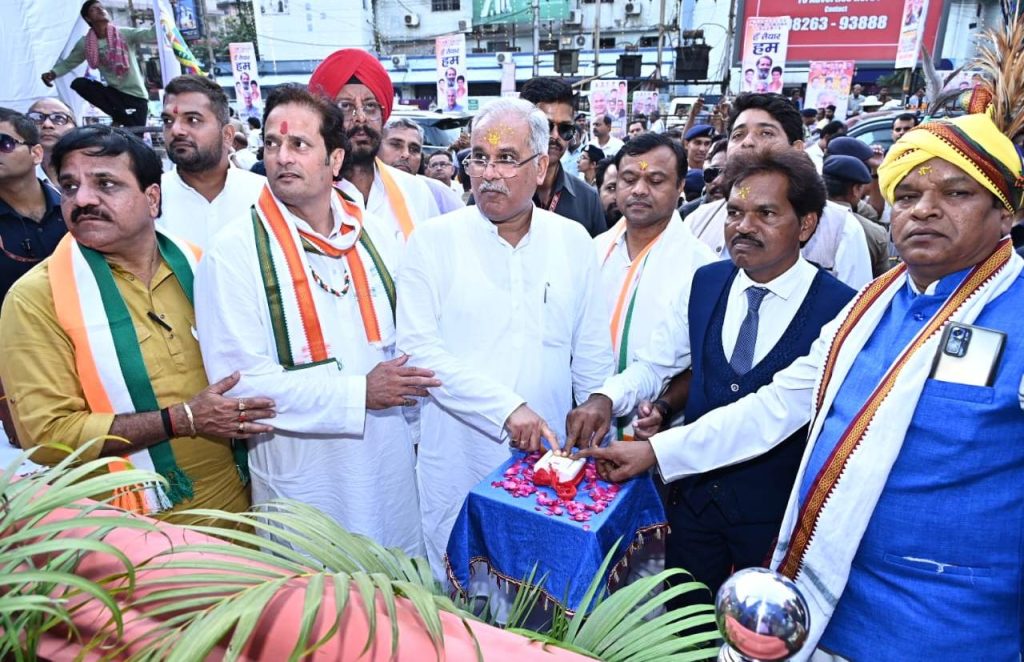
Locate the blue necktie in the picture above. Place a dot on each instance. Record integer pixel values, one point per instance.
(743, 353)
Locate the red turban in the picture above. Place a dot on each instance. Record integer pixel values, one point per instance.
(340, 66)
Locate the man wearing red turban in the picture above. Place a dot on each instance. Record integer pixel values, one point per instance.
(361, 87)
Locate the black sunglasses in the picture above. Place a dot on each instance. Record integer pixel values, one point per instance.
(58, 118)
(711, 173)
(566, 130)
(9, 143)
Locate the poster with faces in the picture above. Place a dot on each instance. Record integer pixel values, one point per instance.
(609, 97)
(765, 42)
(248, 93)
(452, 88)
(644, 103)
(828, 83)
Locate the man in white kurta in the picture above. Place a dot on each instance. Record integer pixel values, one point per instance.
(340, 442)
(203, 192)
(502, 301)
(648, 257)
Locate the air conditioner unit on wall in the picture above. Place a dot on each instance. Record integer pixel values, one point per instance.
(465, 26)
(399, 61)
(583, 41)
(502, 58)
(575, 18)
(632, 9)
(412, 20)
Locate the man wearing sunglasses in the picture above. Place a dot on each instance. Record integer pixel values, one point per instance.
(31, 223)
(564, 195)
(53, 119)
(361, 87)
(502, 301)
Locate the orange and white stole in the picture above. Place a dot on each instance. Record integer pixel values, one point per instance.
(821, 532)
(295, 319)
(622, 313)
(108, 360)
(396, 199)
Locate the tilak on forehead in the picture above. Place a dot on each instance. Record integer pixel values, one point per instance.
(284, 128)
(643, 165)
(743, 192)
(495, 135)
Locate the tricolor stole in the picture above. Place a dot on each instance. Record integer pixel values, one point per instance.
(109, 361)
(396, 199)
(281, 249)
(832, 470)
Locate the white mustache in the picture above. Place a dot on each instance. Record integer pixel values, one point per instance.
(487, 187)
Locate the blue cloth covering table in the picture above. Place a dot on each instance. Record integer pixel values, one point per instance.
(512, 534)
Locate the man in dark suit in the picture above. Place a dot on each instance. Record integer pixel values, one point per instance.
(748, 318)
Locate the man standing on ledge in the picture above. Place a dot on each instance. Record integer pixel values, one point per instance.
(903, 529)
(361, 87)
(111, 50)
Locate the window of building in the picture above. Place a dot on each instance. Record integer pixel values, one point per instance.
(445, 5)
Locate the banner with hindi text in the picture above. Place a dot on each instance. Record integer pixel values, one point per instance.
(911, 33)
(244, 69)
(828, 83)
(452, 88)
(763, 57)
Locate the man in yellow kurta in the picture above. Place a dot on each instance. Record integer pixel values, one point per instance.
(99, 340)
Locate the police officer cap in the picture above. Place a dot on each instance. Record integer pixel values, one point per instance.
(847, 168)
(700, 131)
(850, 147)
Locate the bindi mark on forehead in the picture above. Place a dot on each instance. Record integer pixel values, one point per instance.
(924, 170)
(644, 165)
(284, 128)
(743, 192)
(174, 110)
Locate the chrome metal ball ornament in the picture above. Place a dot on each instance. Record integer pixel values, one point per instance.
(762, 616)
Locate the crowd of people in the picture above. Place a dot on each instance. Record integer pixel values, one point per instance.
(753, 312)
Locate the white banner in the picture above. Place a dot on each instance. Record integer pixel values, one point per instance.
(452, 89)
(912, 30)
(248, 94)
(765, 42)
(169, 65)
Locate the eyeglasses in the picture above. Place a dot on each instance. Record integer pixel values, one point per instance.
(566, 130)
(711, 173)
(371, 110)
(58, 118)
(9, 143)
(506, 168)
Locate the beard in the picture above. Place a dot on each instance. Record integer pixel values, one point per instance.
(362, 155)
(196, 159)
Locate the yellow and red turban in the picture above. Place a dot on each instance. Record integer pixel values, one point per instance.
(972, 142)
(342, 66)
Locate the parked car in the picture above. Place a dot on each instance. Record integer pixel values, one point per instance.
(439, 130)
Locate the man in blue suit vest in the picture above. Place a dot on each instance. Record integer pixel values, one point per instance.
(904, 529)
(748, 318)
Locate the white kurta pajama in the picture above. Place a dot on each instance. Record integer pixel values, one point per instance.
(500, 326)
(187, 214)
(327, 450)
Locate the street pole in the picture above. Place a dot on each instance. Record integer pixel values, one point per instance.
(206, 35)
(536, 38)
(661, 44)
(131, 13)
(597, 38)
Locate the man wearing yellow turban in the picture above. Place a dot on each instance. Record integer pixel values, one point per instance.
(904, 529)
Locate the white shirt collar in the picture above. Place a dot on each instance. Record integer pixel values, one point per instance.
(785, 284)
(336, 238)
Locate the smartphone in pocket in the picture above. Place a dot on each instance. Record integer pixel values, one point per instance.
(968, 355)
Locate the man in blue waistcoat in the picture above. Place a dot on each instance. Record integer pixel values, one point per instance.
(904, 529)
(749, 317)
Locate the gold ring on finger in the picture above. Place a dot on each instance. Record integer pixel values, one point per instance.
(241, 426)
(241, 404)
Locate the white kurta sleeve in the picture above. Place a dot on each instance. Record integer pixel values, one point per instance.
(234, 336)
(853, 261)
(466, 391)
(748, 427)
(592, 360)
(665, 356)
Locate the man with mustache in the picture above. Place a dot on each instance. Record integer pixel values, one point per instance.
(31, 223)
(299, 297)
(53, 118)
(743, 321)
(402, 149)
(502, 301)
(361, 87)
(606, 179)
(760, 120)
(648, 257)
(560, 193)
(203, 191)
(99, 343)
